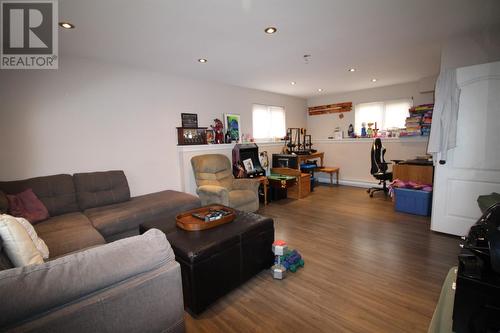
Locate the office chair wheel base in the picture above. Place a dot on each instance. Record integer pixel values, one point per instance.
(368, 191)
(371, 195)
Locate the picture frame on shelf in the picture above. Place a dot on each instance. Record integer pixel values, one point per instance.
(248, 164)
(232, 123)
(189, 120)
(210, 133)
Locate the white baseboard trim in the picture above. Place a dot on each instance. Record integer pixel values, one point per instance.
(347, 182)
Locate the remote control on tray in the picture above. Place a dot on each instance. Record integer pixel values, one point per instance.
(212, 215)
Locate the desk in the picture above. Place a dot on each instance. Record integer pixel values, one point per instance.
(280, 185)
(413, 172)
(303, 158)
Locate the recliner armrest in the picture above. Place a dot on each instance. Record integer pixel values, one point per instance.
(246, 184)
(213, 194)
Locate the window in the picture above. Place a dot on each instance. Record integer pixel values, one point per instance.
(268, 122)
(386, 114)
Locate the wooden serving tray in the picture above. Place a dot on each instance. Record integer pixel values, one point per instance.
(188, 222)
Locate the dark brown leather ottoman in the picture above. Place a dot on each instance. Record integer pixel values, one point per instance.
(215, 261)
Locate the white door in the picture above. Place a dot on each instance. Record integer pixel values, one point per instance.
(473, 167)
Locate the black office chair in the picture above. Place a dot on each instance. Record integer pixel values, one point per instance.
(379, 168)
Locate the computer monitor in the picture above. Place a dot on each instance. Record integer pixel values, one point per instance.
(285, 161)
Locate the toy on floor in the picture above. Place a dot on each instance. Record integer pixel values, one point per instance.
(285, 259)
(292, 260)
(279, 249)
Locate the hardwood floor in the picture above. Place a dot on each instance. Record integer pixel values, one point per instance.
(367, 269)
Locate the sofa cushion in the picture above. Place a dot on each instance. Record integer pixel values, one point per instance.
(56, 192)
(37, 290)
(68, 233)
(17, 242)
(37, 241)
(27, 205)
(126, 216)
(96, 189)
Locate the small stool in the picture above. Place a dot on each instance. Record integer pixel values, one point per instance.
(331, 171)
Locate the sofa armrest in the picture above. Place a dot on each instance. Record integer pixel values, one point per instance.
(149, 302)
(246, 184)
(213, 194)
(37, 289)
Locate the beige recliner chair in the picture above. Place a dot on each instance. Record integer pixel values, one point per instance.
(216, 184)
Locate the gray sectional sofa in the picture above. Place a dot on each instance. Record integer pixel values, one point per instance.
(132, 284)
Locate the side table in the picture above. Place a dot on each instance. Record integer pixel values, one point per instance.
(280, 184)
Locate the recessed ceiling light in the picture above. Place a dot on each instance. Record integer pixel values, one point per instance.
(66, 25)
(352, 69)
(293, 83)
(202, 60)
(270, 30)
(374, 80)
(320, 90)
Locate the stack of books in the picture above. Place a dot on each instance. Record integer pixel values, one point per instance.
(420, 120)
(427, 120)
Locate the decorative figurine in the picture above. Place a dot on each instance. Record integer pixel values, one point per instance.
(350, 131)
(369, 131)
(227, 137)
(218, 130)
(375, 130)
(363, 130)
(241, 170)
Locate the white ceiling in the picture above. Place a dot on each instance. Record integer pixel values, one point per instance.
(394, 41)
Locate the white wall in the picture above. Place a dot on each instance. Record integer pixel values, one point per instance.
(353, 156)
(322, 126)
(90, 116)
(472, 48)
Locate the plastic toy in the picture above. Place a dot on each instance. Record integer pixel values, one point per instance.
(279, 249)
(369, 131)
(350, 131)
(285, 259)
(218, 130)
(292, 260)
(363, 129)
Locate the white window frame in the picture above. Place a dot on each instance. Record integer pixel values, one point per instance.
(270, 134)
(382, 117)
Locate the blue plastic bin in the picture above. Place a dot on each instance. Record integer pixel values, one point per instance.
(413, 201)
